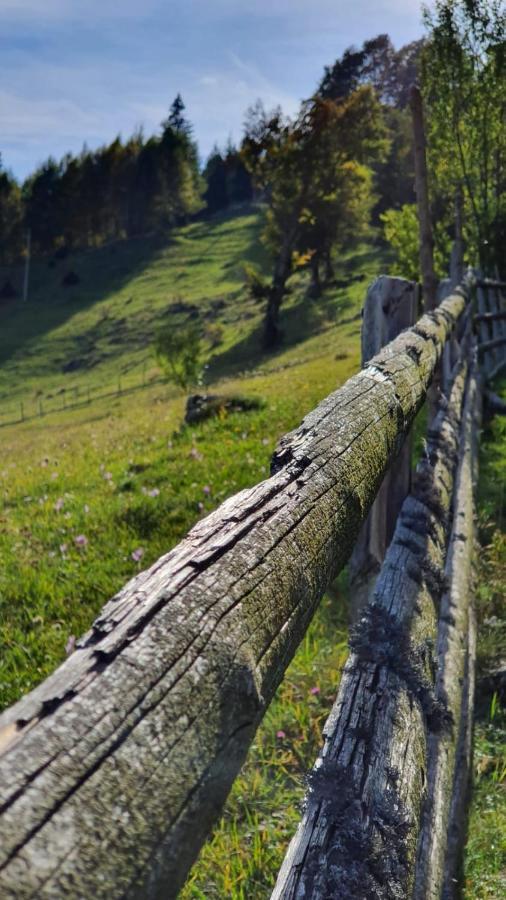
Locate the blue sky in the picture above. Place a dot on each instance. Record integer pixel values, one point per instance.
(85, 70)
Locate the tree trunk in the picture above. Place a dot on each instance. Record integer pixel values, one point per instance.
(429, 279)
(329, 268)
(315, 286)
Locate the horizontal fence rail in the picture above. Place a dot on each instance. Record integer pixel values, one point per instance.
(113, 771)
(379, 805)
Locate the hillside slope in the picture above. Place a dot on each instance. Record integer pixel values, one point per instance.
(93, 493)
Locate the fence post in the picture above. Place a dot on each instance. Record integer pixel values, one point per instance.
(391, 305)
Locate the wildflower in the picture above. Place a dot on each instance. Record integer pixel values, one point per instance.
(200, 506)
(54, 475)
(70, 646)
(315, 690)
(280, 734)
(195, 454)
(265, 441)
(86, 508)
(154, 492)
(206, 490)
(108, 476)
(58, 505)
(63, 549)
(81, 540)
(137, 554)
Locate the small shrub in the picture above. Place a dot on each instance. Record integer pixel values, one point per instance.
(178, 351)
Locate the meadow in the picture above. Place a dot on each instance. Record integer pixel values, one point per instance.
(93, 494)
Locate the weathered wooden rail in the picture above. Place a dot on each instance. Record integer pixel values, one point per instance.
(113, 770)
(379, 805)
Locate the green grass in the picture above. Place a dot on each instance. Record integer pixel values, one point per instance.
(121, 472)
(485, 858)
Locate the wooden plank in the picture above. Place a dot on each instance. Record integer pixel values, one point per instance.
(491, 283)
(114, 770)
(358, 836)
(487, 346)
(500, 315)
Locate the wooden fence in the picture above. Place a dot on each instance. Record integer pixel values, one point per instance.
(113, 770)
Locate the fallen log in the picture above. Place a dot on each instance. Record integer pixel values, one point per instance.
(113, 770)
(358, 837)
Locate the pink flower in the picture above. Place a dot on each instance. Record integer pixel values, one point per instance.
(137, 554)
(154, 492)
(280, 734)
(81, 540)
(314, 690)
(206, 490)
(70, 646)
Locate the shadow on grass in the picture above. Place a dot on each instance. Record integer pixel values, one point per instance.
(102, 273)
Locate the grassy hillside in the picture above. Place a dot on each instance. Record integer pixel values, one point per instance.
(93, 494)
(85, 489)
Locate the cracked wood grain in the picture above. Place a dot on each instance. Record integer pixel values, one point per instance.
(113, 770)
(449, 754)
(358, 836)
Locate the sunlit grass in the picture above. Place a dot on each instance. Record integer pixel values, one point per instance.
(485, 858)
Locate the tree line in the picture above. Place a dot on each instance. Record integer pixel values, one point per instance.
(344, 162)
(141, 185)
(122, 190)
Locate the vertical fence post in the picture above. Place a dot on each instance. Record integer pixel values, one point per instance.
(391, 305)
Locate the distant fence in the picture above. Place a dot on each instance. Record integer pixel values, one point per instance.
(114, 770)
(78, 395)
